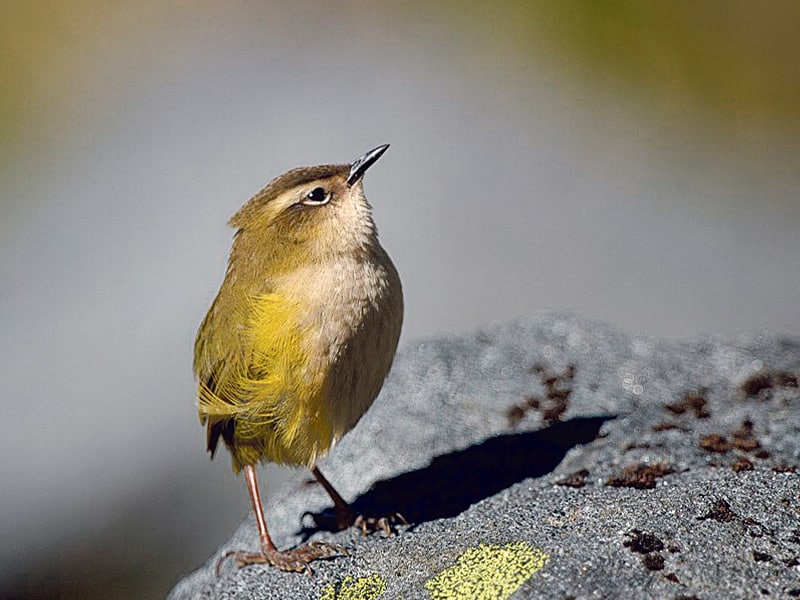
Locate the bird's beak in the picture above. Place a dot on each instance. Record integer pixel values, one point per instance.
(360, 165)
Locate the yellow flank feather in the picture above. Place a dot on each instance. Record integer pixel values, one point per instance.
(275, 401)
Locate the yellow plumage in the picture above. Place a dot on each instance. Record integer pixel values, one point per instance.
(273, 400)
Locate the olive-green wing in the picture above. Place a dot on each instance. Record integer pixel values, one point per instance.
(219, 353)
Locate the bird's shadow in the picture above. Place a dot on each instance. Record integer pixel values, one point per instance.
(453, 482)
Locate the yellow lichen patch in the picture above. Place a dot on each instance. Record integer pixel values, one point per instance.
(488, 572)
(362, 588)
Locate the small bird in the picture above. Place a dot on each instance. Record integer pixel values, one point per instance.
(300, 336)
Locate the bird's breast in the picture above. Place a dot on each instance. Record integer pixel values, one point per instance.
(349, 313)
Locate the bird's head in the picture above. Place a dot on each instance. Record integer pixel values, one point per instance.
(309, 213)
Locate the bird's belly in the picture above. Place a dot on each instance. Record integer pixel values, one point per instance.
(356, 360)
(323, 376)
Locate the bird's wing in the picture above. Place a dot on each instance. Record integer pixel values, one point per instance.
(246, 361)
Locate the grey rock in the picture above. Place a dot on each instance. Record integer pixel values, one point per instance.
(439, 447)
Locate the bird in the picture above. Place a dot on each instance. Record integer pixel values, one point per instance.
(300, 336)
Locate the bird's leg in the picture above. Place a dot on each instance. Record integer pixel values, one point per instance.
(258, 509)
(347, 517)
(297, 559)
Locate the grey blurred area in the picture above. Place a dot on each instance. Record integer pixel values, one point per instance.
(634, 165)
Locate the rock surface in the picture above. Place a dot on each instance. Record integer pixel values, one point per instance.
(556, 457)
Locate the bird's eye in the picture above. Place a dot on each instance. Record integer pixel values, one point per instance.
(317, 196)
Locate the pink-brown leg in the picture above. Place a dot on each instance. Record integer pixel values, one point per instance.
(347, 517)
(297, 559)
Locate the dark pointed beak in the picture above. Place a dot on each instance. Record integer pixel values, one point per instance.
(360, 165)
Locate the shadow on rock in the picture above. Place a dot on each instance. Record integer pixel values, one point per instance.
(453, 482)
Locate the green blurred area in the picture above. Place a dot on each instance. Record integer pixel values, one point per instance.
(737, 59)
(734, 59)
(41, 47)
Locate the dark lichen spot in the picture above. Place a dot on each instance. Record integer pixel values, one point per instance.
(761, 556)
(742, 464)
(745, 430)
(785, 379)
(554, 413)
(756, 529)
(748, 445)
(515, 414)
(653, 562)
(743, 438)
(721, 511)
(714, 442)
(692, 401)
(784, 468)
(756, 383)
(640, 476)
(767, 379)
(697, 402)
(575, 480)
(558, 389)
(533, 402)
(643, 542)
(676, 408)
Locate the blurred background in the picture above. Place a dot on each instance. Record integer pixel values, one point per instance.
(633, 162)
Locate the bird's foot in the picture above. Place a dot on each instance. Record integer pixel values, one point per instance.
(296, 560)
(386, 523)
(346, 518)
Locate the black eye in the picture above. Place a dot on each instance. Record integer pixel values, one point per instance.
(317, 195)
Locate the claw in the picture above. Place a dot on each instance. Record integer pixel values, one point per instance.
(386, 523)
(296, 560)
